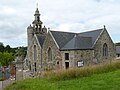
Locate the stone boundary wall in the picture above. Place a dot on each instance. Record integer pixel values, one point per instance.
(5, 83)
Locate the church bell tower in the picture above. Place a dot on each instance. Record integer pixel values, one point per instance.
(37, 23)
(36, 27)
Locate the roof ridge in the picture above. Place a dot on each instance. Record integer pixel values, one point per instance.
(84, 36)
(91, 31)
(63, 32)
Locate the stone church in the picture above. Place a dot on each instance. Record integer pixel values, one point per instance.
(53, 50)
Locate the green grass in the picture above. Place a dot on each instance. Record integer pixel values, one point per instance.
(100, 77)
(104, 81)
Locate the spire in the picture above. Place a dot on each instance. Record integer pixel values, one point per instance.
(37, 5)
(37, 12)
(37, 23)
(37, 17)
(104, 27)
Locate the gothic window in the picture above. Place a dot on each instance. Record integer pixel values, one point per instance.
(105, 50)
(35, 67)
(35, 52)
(66, 56)
(49, 54)
(29, 65)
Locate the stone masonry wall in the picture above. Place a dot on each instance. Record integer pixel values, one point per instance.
(98, 49)
(56, 62)
(77, 55)
(71, 59)
(83, 55)
(30, 55)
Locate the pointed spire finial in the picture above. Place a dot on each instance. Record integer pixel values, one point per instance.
(37, 5)
(104, 26)
(37, 11)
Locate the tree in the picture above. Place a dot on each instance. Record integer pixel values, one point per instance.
(2, 47)
(21, 51)
(6, 58)
(7, 48)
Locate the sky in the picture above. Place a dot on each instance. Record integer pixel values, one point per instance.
(60, 15)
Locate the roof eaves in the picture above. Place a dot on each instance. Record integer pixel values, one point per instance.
(76, 49)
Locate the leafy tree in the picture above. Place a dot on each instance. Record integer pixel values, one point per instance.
(8, 54)
(2, 47)
(6, 58)
(21, 51)
(8, 49)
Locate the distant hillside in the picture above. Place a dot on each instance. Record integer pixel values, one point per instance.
(117, 44)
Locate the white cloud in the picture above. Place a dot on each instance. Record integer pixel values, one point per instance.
(64, 15)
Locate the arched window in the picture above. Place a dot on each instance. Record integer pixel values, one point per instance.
(30, 66)
(35, 52)
(35, 67)
(105, 50)
(49, 54)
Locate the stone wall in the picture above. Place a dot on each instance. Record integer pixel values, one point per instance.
(78, 55)
(98, 49)
(4, 84)
(30, 55)
(56, 62)
(70, 61)
(84, 55)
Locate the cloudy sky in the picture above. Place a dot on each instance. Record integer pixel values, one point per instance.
(62, 15)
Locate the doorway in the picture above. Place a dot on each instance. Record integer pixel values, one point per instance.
(66, 65)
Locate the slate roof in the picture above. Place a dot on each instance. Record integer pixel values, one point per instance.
(62, 38)
(94, 34)
(117, 49)
(41, 39)
(79, 42)
(68, 41)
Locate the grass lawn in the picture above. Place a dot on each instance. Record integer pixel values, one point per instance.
(105, 81)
